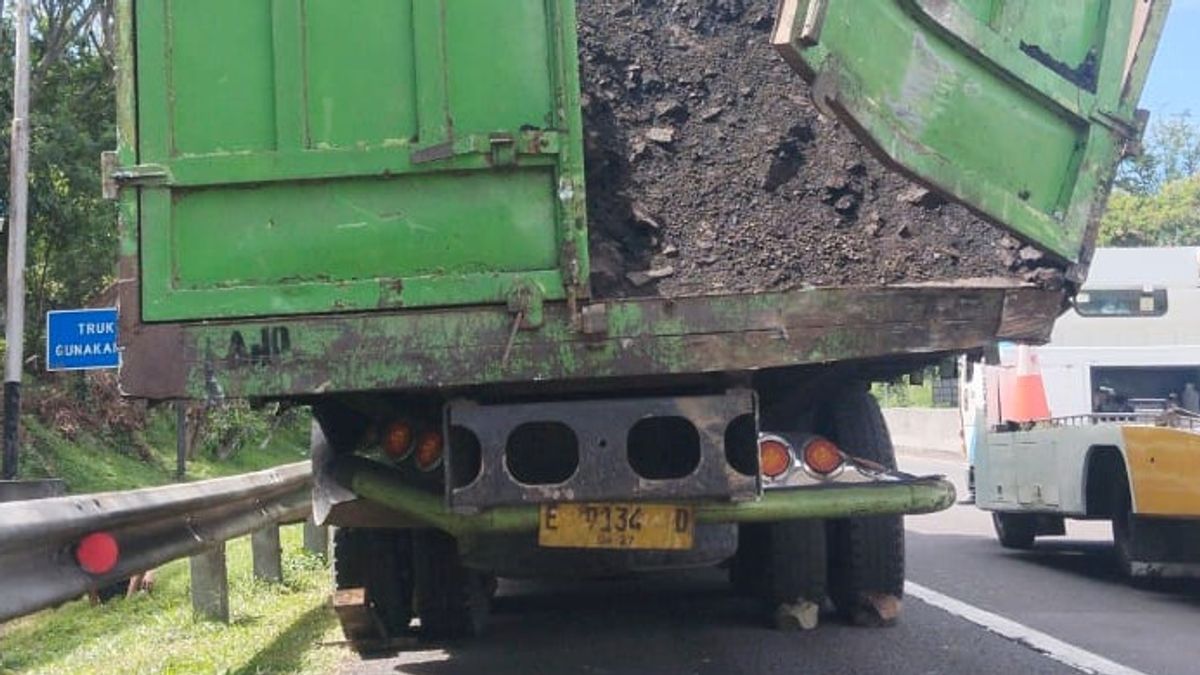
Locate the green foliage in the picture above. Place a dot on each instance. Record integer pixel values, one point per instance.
(95, 460)
(231, 425)
(902, 394)
(1171, 152)
(1169, 217)
(274, 629)
(1157, 200)
(72, 245)
(87, 463)
(934, 387)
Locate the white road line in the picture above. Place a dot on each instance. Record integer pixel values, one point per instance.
(1056, 649)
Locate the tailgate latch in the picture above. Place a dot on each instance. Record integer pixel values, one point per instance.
(113, 178)
(504, 150)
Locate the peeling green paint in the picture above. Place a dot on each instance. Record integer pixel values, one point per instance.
(1021, 110)
(420, 349)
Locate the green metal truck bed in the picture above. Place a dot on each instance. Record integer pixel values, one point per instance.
(316, 199)
(301, 157)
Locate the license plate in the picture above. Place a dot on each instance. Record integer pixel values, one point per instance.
(617, 526)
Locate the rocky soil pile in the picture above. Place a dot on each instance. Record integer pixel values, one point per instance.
(710, 170)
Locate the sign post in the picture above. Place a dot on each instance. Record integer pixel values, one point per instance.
(18, 203)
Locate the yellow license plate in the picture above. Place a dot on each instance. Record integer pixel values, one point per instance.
(617, 526)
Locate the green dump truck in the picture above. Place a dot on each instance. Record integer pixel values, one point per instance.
(379, 209)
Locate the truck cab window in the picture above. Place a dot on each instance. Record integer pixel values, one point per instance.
(1122, 302)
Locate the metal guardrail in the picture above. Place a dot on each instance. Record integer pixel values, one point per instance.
(39, 540)
(1176, 419)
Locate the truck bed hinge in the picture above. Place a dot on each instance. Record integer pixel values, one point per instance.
(528, 303)
(144, 175)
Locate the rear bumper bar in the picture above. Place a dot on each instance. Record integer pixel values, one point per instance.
(384, 486)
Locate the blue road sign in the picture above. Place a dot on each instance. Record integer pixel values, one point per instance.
(84, 339)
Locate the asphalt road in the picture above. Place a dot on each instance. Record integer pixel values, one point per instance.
(1063, 597)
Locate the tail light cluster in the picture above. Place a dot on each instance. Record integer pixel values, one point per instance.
(778, 457)
(402, 441)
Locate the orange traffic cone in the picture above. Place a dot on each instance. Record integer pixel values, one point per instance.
(1029, 392)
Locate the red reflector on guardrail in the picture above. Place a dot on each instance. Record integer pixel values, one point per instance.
(98, 553)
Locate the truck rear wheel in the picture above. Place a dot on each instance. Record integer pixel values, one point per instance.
(866, 555)
(380, 563)
(783, 564)
(1017, 531)
(451, 600)
(1122, 528)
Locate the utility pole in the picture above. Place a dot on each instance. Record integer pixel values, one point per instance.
(18, 207)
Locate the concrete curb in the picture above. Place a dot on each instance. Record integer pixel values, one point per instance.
(926, 430)
(931, 453)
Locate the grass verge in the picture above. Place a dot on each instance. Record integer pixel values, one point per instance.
(94, 461)
(274, 628)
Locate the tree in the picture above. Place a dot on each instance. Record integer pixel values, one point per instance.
(1171, 152)
(72, 230)
(67, 26)
(1157, 198)
(1170, 217)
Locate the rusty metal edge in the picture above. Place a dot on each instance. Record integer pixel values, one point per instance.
(382, 352)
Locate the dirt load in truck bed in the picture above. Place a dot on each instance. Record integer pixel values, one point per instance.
(711, 171)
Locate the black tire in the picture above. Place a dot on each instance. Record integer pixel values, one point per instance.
(379, 561)
(797, 567)
(1016, 531)
(747, 573)
(866, 555)
(349, 558)
(452, 601)
(1122, 528)
(781, 562)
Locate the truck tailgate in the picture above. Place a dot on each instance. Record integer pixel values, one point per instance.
(299, 158)
(1020, 109)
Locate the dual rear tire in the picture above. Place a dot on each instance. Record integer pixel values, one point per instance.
(856, 563)
(451, 600)
(407, 574)
(377, 561)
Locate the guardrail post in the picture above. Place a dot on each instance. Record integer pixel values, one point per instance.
(265, 549)
(316, 538)
(210, 584)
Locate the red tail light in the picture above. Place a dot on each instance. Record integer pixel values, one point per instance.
(823, 457)
(429, 451)
(774, 457)
(398, 440)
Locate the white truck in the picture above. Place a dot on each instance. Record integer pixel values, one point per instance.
(1121, 437)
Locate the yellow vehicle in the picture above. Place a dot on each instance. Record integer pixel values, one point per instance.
(1118, 432)
(1141, 471)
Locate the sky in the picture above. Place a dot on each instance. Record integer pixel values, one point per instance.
(1174, 85)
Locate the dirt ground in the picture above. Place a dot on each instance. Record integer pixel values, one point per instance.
(710, 170)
